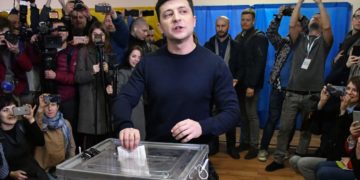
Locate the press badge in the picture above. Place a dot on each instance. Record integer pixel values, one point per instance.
(305, 65)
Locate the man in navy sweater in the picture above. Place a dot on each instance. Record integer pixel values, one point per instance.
(181, 83)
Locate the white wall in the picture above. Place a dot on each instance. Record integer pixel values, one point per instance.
(7, 4)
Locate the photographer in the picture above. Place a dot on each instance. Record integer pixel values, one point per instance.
(14, 61)
(59, 141)
(306, 80)
(79, 20)
(342, 116)
(91, 75)
(20, 137)
(279, 75)
(63, 75)
(119, 34)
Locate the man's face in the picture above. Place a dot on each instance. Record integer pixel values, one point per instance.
(247, 21)
(315, 22)
(15, 23)
(222, 28)
(150, 36)
(356, 21)
(78, 19)
(141, 31)
(63, 34)
(109, 25)
(177, 21)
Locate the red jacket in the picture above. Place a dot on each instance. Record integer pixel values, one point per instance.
(65, 72)
(20, 65)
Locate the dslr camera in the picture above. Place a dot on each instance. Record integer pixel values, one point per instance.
(10, 37)
(336, 91)
(52, 98)
(79, 5)
(287, 11)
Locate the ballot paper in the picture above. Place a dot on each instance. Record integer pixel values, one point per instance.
(133, 162)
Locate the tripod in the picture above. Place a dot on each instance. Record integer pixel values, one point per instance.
(101, 78)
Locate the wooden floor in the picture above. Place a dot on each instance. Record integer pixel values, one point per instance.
(231, 169)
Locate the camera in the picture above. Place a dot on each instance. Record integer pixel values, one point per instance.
(11, 38)
(132, 12)
(52, 98)
(102, 8)
(52, 42)
(22, 110)
(287, 11)
(336, 91)
(79, 5)
(98, 40)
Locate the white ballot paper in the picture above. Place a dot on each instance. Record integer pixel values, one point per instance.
(133, 162)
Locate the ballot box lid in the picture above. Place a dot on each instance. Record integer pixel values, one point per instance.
(163, 161)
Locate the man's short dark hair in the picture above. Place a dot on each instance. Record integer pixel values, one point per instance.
(248, 11)
(161, 2)
(4, 23)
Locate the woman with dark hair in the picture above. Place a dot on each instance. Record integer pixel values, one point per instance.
(91, 75)
(120, 78)
(327, 167)
(20, 137)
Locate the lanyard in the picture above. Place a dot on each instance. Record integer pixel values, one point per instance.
(310, 45)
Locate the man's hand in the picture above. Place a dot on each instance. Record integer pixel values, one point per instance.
(324, 97)
(129, 138)
(318, 1)
(355, 129)
(186, 130)
(109, 89)
(352, 60)
(281, 9)
(50, 74)
(18, 175)
(301, 1)
(250, 92)
(338, 56)
(234, 82)
(96, 68)
(14, 48)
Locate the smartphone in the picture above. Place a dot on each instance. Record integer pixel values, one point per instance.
(336, 91)
(102, 8)
(356, 51)
(80, 39)
(356, 116)
(22, 110)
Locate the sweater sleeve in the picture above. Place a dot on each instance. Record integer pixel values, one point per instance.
(121, 35)
(34, 134)
(226, 103)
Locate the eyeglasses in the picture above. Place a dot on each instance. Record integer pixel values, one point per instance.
(356, 17)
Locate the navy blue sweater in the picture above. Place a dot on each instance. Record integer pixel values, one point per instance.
(177, 87)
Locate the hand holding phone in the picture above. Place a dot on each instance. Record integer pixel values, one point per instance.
(356, 51)
(336, 91)
(22, 110)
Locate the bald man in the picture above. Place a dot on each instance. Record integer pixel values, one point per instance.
(224, 46)
(139, 30)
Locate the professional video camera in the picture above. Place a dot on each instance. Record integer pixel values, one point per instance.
(48, 45)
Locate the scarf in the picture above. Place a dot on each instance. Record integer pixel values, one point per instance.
(227, 52)
(55, 123)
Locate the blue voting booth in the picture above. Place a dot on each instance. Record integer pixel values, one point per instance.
(340, 17)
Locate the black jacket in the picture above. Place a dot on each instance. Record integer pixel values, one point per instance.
(234, 55)
(253, 47)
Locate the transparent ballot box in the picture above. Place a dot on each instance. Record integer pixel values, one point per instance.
(160, 161)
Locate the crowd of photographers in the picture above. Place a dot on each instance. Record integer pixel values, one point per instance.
(72, 66)
(52, 60)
